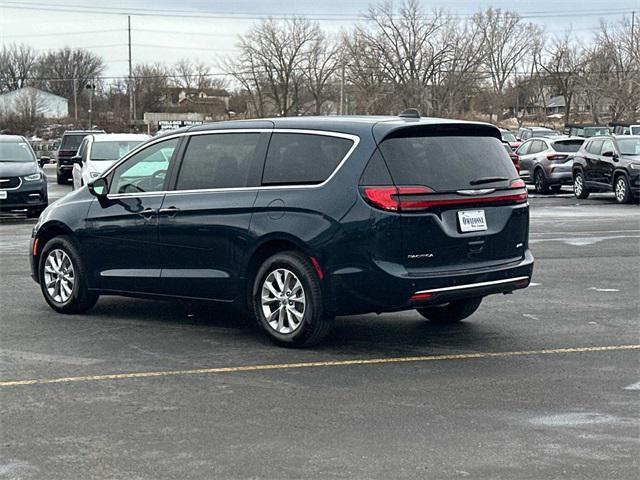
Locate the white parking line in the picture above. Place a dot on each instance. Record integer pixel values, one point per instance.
(633, 386)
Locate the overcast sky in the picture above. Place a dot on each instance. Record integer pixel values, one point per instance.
(208, 29)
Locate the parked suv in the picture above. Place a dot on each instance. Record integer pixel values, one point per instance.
(71, 140)
(297, 220)
(586, 131)
(23, 184)
(525, 133)
(99, 152)
(547, 162)
(606, 164)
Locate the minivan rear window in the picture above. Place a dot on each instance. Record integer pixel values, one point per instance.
(446, 163)
(303, 159)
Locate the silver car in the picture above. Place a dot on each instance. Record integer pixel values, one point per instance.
(547, 162)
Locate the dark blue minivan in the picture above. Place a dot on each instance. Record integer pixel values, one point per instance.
(297, 220)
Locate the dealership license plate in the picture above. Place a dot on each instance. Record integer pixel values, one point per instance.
(3, 195)
(472, 221)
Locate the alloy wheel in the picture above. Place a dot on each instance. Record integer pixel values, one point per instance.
(59, 276)
(578, 185)
(283, 301)
(621, 190)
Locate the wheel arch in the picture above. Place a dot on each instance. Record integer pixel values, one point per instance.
(45, 233)
(266, 248)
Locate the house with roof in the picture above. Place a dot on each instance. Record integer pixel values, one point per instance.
(33, 102)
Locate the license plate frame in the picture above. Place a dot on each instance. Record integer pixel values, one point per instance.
(472, 221)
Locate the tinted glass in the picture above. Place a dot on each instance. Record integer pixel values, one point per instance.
(595, 147)
(508, 137)
(376, 172)
(567, 145)
(112, 150)
(71, 142)
(524, 148)
(303, 159)
(593, 131)
(15, 151)
(145, 171)
(446, 163)
(629, 146)
(635, 130)
(224, 160)
(607, 147)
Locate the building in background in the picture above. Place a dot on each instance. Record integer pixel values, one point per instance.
(30, 102)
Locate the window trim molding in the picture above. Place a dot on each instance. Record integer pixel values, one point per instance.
(327, 133)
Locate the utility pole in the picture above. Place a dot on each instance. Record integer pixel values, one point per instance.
(91, 86)
(75, 96)
(130, 89)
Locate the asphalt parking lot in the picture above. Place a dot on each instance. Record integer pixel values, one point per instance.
(544, 383)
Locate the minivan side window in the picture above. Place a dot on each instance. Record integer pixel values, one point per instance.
(303, 159)
(145, 171)
(219, 160)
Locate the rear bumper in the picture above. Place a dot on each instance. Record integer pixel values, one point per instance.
(386, 290)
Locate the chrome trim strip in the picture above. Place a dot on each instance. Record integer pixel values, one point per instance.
(481, 191)
(472, 285)
(354, 138)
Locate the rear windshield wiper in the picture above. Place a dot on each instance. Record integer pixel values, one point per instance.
(482, 180)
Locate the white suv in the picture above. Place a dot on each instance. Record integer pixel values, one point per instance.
(99, 152)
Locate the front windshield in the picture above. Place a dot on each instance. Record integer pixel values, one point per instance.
(18, 151)
(112, 150)
(508, 137)
(629, 146)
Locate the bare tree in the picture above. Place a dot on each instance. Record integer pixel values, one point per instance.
(323, 62)
(410, 48)
(17, 63)
(507, 42)
(67, 71)
(564, 68)
(364, 72)
(151, 83)
(459, 72)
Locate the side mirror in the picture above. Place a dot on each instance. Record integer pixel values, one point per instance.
(610, 154)
(77, 160)
(99, 188)
(42, 161)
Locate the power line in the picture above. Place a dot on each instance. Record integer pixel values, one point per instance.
(63, 34)
(325, 16)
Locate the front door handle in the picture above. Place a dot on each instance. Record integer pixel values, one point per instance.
(169, 211)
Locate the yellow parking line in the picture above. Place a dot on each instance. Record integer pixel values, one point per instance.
(327, 363)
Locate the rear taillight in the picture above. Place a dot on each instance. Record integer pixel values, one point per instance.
(555, 158)
(415, 199)
(395, 198)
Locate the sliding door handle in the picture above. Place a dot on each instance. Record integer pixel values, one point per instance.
(169, 211)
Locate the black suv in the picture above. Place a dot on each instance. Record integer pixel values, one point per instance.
(71, 140)
(297, 220)
(605, 164)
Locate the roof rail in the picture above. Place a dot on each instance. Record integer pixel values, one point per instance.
(410, 113)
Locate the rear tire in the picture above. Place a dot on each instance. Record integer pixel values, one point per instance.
(540, 182)
(452, 312)
(287, 301)
(579, 187)
(60, 263)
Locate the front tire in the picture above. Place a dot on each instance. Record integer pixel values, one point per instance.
(579, 187)
(622, 190)
(452, 312)
(287, 301)
(63, 278)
